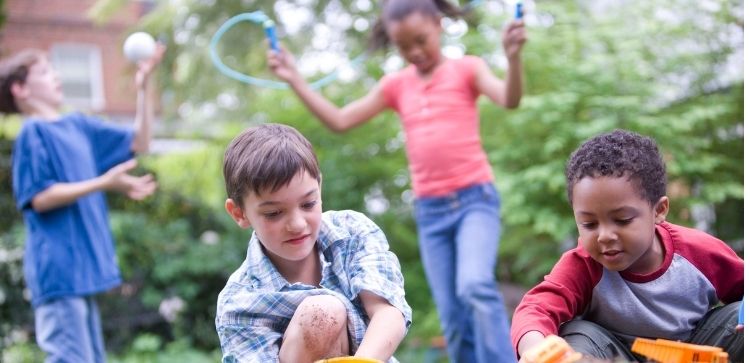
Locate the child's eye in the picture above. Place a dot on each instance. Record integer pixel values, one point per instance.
(623, 221)
(272, 214)
(588, 225)
(310, 205)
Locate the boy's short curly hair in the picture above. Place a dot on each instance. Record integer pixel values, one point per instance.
(14, 69)
(616, 154)
(265, 158)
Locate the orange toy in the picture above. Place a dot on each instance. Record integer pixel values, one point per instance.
(552, 349)
(668, 351)
(348, 360)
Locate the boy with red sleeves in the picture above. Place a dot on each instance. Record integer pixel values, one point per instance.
(633, 273)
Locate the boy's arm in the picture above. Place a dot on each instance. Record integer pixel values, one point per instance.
(144, 108)
(335, 118)
(116, 179)
(386, 329)
(563, 294)
(505, 93)
(375, 278)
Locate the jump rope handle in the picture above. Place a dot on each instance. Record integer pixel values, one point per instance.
(270, 27)
(519, 10)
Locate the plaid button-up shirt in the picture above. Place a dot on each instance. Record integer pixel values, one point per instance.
(256, 305)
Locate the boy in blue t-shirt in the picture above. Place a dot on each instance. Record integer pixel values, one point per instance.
(62, 165)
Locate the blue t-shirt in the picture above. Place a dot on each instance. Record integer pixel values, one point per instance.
(69, 250)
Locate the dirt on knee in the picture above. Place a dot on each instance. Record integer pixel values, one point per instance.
(322, 327)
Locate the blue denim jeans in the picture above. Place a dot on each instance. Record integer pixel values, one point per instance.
(68, 329)
(459, 236)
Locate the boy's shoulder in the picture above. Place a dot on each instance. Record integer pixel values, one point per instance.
(338, 225)
(682, 236)
(345, 217)
(681, 230)
(30, 123)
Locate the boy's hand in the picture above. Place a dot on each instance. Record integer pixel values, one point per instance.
(514, 36)
(146, 67)
(527, 342)
(534, 351)
(117, 179)
(282, 64)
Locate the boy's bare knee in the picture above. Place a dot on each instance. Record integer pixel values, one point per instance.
(319, 322)
(321, 314)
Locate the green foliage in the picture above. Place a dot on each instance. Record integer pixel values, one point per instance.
(102, 11)
(15, 312)
(22, 353)
(150, 348)
(2, 13)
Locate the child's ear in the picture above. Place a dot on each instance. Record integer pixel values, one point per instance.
(18, 90)
(661, 209)
(236, 213)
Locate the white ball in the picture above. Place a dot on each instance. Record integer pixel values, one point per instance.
(139, 46)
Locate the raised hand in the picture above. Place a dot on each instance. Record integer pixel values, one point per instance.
(134, 187)
(514, 36)
(146, 67)
(282, 64)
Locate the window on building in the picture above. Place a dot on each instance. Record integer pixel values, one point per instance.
(79, 67)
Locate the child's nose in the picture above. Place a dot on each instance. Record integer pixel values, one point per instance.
(414, 53)
(606, 234)
(296, 223)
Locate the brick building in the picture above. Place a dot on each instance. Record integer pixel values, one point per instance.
(96, 77)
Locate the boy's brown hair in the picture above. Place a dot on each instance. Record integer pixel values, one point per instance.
(14, 69)
(265, 158)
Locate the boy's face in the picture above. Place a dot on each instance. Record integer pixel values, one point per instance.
(617, 226)
(42, 86)
(286, 221)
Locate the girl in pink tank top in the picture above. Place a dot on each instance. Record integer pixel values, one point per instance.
(457, 205)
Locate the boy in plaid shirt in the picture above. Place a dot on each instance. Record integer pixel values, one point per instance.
(314, 285)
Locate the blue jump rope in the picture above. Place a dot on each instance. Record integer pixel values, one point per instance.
(269, 28)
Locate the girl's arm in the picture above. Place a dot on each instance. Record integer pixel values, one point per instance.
(505, 93)
(144, 108)
(386, 329)
(333, 117)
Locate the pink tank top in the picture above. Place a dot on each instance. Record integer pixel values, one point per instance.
(441, 122)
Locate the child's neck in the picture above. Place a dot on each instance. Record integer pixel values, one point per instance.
(651, 260)
(41, 111)
(427, 75)
(307, 271)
